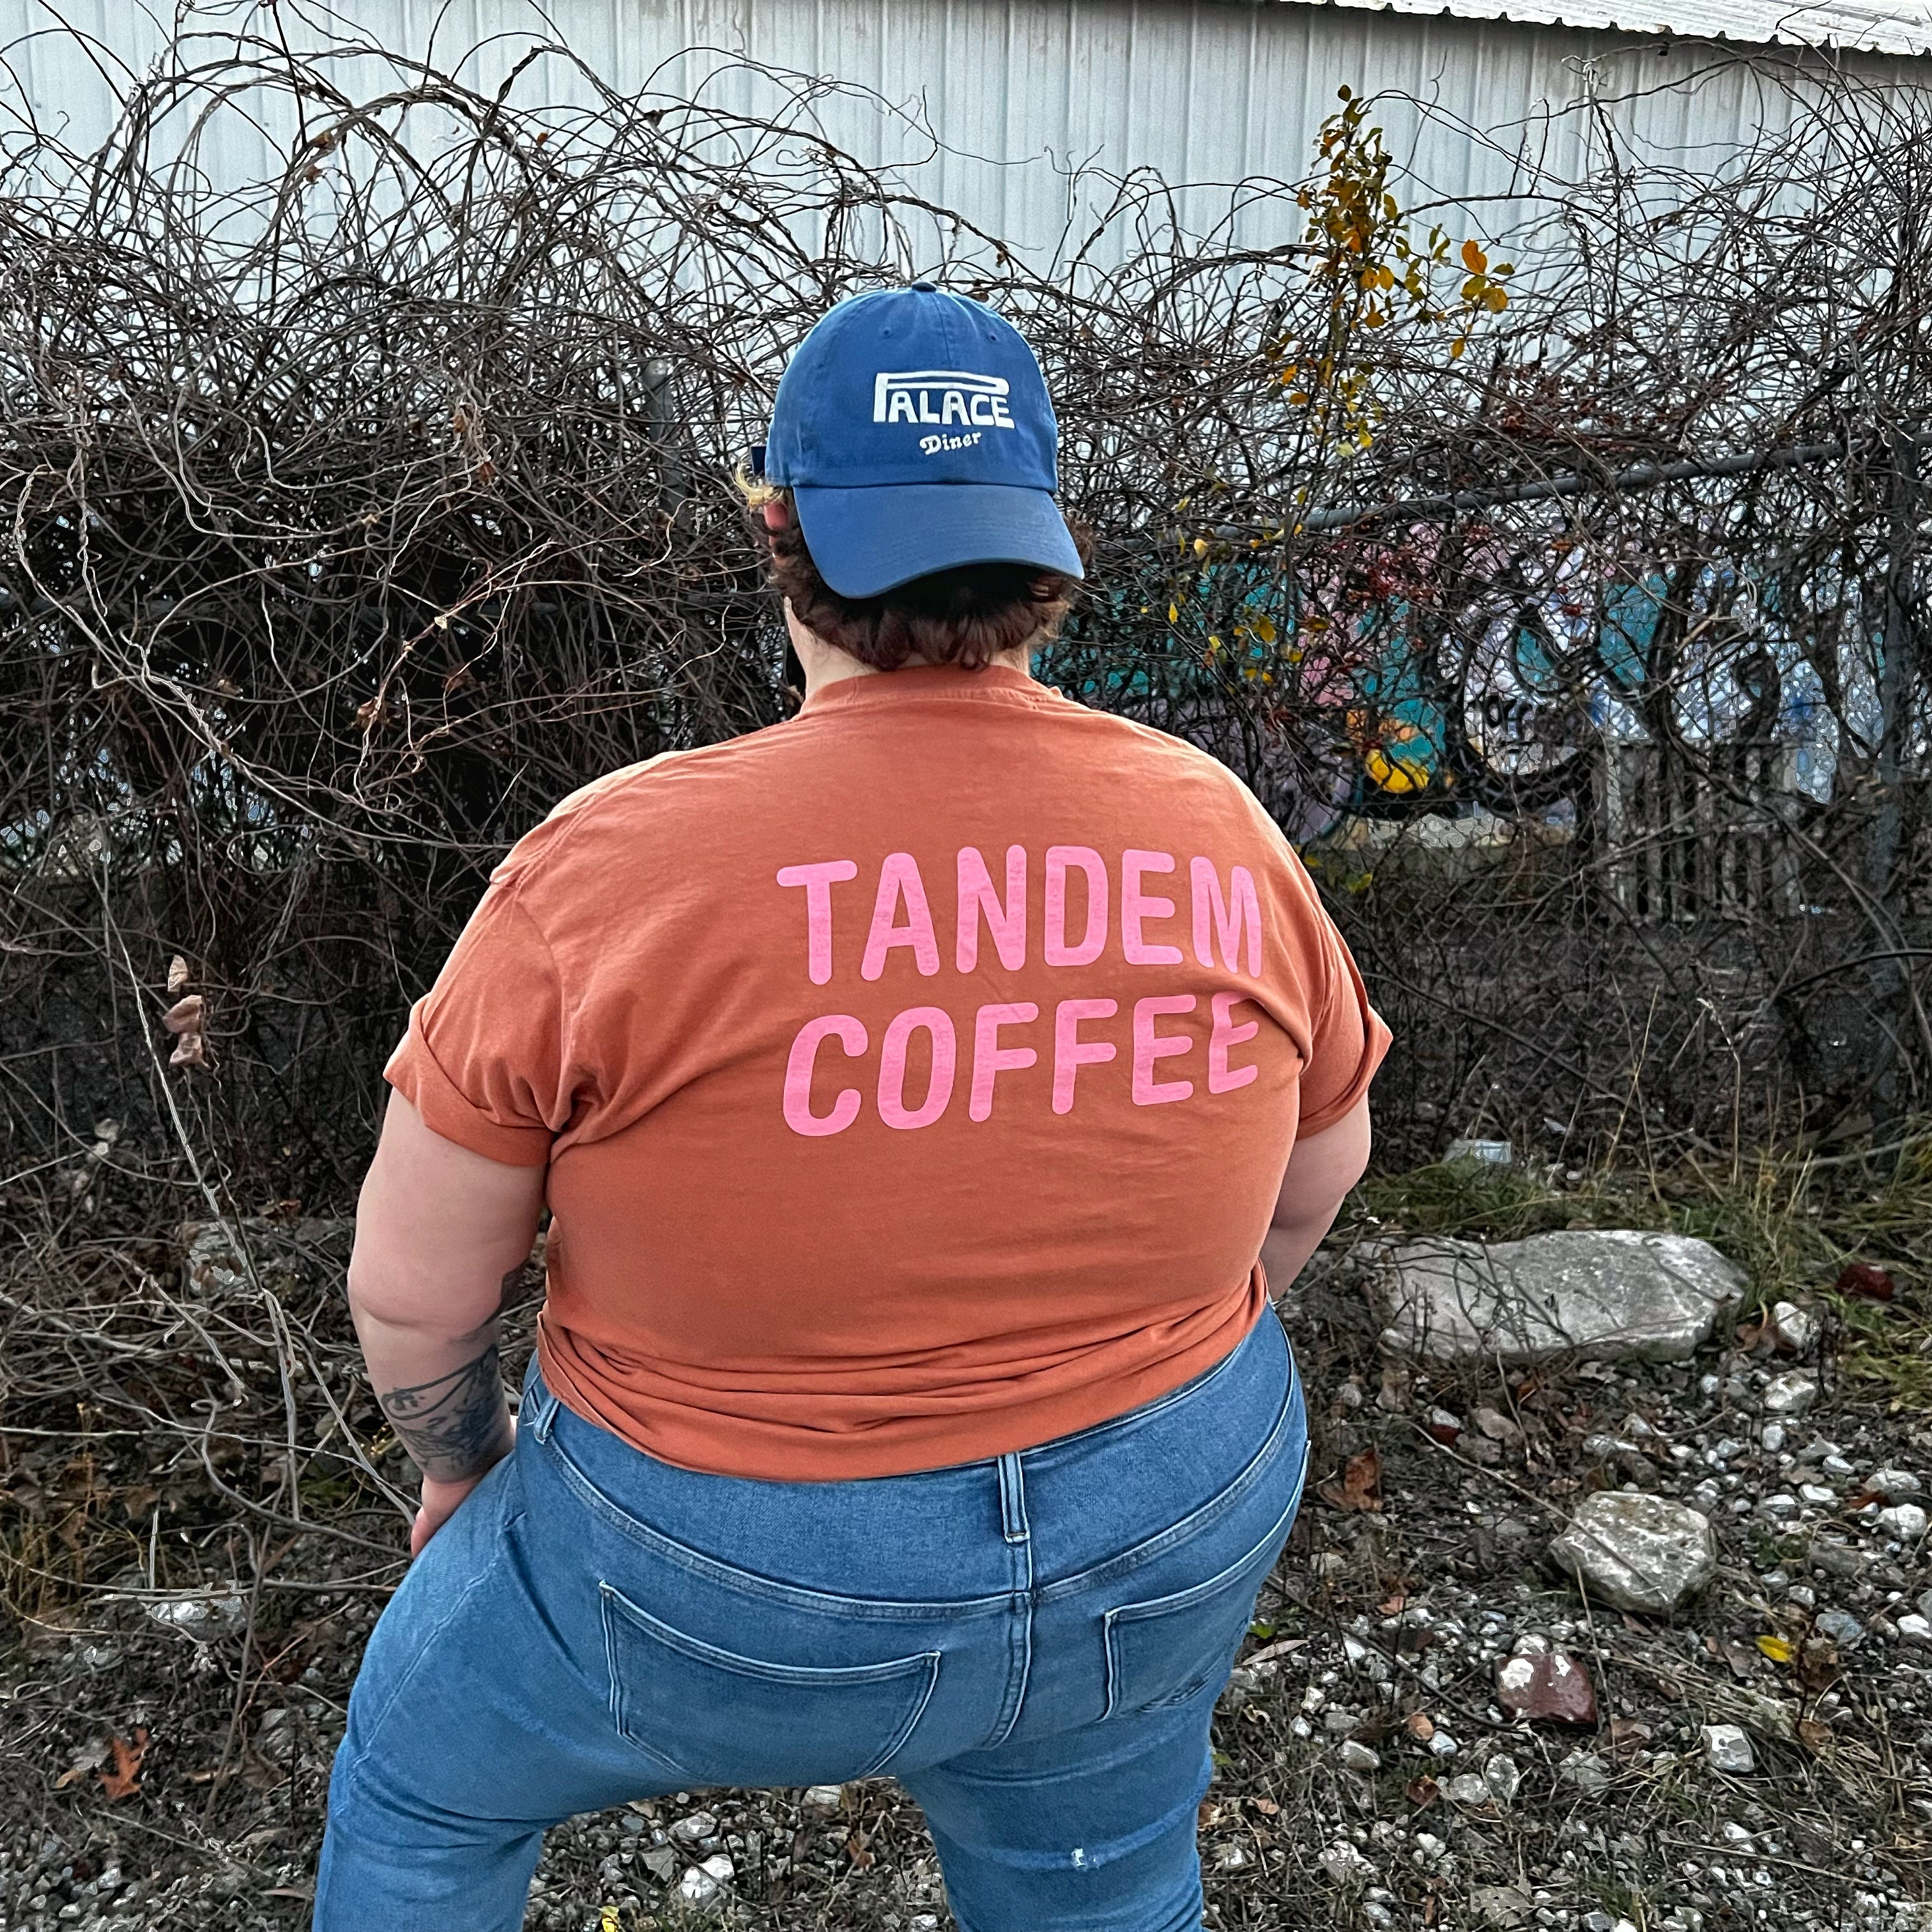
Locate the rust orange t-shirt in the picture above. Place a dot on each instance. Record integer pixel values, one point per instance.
(916, 1077)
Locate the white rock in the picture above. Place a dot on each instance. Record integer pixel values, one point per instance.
(718, 1867)
(1344, 1864)
(1817, 1495)
(1605, 1295)
(698, 1887)
(1770, 1438)
(1584, 1771)
(699, 1824)
(1635, 1552)
(824, 1797)
(1442, 1744)
(1358, 1757)
(1914, 1628)
(1728, 1748)
(1791, 1393)
(1794, 1326)
(1895, 1485)
(1502, 1906)
(1905, 1521)
(1468, 1788)
(209, 1615)
(1503, 1778)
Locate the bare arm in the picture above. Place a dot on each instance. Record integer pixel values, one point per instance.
(1321, 1170)
(441, 1234)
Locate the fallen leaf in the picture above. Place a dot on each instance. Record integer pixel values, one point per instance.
(1743, 1664)
(1280, 1648)
(1422, 1792)
(1208, 1816)
(1817, 1663)
(1814, 1736)
(1864, 1278)
(177, 974)
(1497, 1426)
(1360, 1487)
(1392, 1606)
(122, 1778)
(858, 1849)
(185, 1015)
(1266, 1807)
(1420, 1726)
(1779, 1649)
(1628, 1735)
(90, 1759)
(190, 1050)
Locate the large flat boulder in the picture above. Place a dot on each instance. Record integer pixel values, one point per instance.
(1599, 1294)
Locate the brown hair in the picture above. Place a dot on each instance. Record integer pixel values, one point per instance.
(965, 616)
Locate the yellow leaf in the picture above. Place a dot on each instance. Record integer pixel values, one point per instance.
(1264, 630)
(1778, 1648)
(1472, 289)
(1173, 614)
(1200, 546)
(1473, 259)
(1456, 347)
(1300, 396)
(1495, 300)
(608, 1921)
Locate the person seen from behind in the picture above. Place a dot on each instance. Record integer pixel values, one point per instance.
(925, 1091)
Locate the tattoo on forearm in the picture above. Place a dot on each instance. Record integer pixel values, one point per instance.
(456, 1426)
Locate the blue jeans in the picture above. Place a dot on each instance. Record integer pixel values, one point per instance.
(1032, 1645)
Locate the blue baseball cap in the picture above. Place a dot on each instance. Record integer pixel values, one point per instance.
(913, 429)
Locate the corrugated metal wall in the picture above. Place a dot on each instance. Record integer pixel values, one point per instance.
(1001, 102)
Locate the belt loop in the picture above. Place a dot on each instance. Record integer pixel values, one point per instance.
(537, 1412)
(1012, 1499)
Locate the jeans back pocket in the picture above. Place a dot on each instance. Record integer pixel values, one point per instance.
(712, 1716)
(1165, 1650)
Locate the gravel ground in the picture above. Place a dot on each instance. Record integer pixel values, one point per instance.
(164, 1757)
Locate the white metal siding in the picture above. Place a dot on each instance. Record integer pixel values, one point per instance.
(1020, 93)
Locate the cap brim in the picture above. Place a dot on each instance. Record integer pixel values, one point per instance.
(865, 541)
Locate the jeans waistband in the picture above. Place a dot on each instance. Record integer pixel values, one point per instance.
(540, 1405)
(1077, 1500)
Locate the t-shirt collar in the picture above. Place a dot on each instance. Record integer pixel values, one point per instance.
(924, 681)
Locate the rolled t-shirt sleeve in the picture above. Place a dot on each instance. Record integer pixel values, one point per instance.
(484, 1060)
(1349, 1039)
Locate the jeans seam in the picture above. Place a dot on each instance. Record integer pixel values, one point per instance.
(1017, 1533)
(423, 1649)
(1197, 1592)
(1124, 1562)
(748, 1582)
